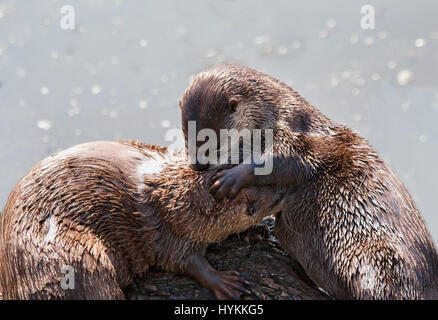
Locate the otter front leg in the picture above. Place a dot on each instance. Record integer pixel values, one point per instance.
(224, 284)
(288, 171)
(230, 181)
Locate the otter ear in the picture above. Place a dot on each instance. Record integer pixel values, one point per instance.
(233, 104)
(180, 103)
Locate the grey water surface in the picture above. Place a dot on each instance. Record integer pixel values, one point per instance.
(122, 70)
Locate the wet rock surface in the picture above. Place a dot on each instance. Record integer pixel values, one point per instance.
(271, 273)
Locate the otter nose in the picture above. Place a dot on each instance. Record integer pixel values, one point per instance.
(199, 166)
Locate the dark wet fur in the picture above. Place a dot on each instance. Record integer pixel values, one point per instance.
(349, 220)
(110, 223)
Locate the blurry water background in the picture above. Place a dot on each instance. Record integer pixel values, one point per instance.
(121, 72)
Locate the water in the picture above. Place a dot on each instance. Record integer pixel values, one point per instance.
(121, 72)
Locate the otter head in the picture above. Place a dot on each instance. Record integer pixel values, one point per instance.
(262, 201)
(246, 210)
(205, 106)
(225, 97)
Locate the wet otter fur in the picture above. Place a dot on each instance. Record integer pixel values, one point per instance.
(112, 210)
(348, 220)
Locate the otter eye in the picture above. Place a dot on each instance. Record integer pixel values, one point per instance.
(252, 209)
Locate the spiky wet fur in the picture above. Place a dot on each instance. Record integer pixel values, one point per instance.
(349, 221)
(87, 207)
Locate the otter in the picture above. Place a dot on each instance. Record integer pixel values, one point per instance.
(348, 219)
(107, 211)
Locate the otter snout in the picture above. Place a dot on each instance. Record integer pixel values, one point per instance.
(199, 166)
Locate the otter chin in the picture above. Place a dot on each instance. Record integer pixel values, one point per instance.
(107, 211)
(348, 219)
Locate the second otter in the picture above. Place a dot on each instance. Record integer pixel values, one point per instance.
(105, 211)
(349, 221)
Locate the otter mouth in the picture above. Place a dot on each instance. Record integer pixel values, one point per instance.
(199, 166)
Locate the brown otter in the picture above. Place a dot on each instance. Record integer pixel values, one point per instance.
(348, 220)
(110, 210)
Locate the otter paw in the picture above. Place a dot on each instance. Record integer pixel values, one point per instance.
(228, 285)
(227, 183)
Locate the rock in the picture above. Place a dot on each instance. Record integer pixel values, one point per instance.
(271, 274)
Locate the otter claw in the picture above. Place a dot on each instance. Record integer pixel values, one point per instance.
(229, 286)
(229, 182)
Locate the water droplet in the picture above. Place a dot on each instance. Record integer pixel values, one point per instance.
(422, 138)
(73, 111)
(375, 76)
(95, 89)
(368, 40)
(21, 73)
(261, 39)
(267, 50)
(44, 124)
(334, 81)
(143, 43)
(323, 34)
(22, 102)
(165, 123)
(46, 21)
(296, 44)
(382, 35)
(44, 90)
(164, 78)
(406, 105)
(113, 114)
(360, 82)
(420, 42)
(73, 102)
(354, 39)
(404, 77)
(143, 104)
(331, 23)
(78, 132)
(77, 91)
(346, 74)
(355, 91)
(54, 55)
(181, 31)
(392, 64)
(282, 50)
